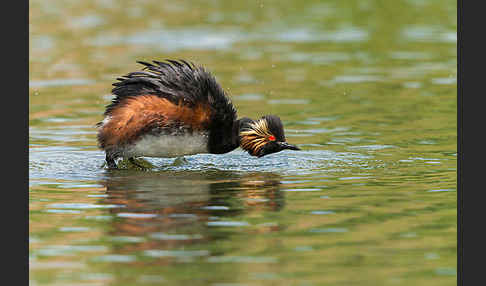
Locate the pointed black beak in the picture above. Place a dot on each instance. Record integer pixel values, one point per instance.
(285, 145)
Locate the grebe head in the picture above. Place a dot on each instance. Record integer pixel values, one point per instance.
(264, 136)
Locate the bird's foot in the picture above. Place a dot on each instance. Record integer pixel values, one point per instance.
(110, 162)
(135, 163)
(179, 161)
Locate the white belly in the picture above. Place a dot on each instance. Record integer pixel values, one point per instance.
(169, 146)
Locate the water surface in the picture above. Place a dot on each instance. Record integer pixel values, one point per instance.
(366, 88)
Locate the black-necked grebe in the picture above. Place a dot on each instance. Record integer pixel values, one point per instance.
(175, 108)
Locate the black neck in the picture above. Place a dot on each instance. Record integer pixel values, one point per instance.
(224, 139)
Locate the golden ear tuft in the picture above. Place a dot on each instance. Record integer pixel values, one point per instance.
(254, 138)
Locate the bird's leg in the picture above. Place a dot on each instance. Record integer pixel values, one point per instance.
(111, 162)
(132, 160)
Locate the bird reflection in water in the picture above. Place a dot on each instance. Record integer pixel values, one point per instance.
(171, 209)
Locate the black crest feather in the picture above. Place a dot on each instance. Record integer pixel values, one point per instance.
(180, 82)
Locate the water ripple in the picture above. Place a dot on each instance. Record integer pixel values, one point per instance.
(60, 82)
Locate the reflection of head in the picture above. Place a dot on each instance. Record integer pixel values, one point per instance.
(256, 192)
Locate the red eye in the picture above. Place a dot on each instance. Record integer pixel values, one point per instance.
(271, 138)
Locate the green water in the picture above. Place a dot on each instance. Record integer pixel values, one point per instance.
(366, 88)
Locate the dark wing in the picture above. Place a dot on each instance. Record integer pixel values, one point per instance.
(179, 82)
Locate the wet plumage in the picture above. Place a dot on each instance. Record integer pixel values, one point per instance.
(176, 108)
